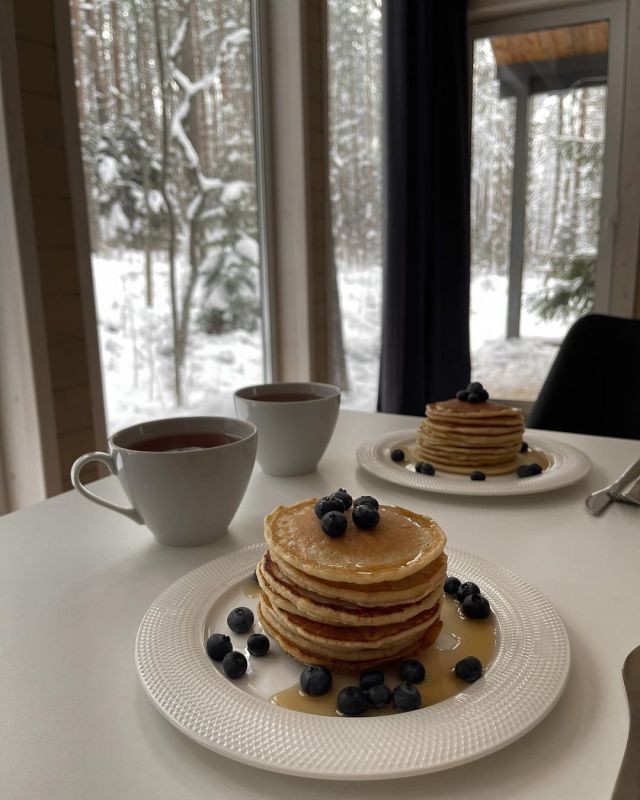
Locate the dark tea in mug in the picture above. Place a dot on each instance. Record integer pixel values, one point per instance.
(192, 440)
(286, 397)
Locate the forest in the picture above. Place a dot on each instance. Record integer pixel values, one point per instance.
(165, 99)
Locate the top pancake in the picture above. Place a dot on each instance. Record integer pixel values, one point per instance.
(487, 413)
(401, 544)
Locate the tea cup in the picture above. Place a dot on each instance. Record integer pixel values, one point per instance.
(184, 477)
(295, 423)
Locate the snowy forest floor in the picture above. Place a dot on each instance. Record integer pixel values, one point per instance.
(135, 345)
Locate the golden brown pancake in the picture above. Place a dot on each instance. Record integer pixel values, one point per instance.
(459, 437)
(404, 590)
(401, 544)
(288, 597)
(361, 599)
(365, 658)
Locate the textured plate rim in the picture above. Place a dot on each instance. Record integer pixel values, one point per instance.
(519, 689)
(569, 465)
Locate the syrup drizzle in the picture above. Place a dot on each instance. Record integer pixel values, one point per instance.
(460, 637)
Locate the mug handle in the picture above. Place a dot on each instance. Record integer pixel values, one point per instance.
(108, 460)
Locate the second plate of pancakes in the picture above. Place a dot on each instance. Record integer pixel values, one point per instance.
(563, 465)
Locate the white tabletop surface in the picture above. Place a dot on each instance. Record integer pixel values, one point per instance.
(76, 579)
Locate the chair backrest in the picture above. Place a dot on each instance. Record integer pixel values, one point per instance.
(593, 385)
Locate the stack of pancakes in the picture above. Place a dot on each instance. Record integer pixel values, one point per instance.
(355, 601)
(458, 436)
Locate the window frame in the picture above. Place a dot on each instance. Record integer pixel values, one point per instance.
(615, 276)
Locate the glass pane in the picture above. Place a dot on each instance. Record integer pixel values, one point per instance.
(539, 111)
(165, 104)
(355, 132)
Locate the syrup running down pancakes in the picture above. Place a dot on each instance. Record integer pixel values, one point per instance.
(355, 601)
(459, 436)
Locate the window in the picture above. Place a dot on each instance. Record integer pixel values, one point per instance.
(540, 187)
(355, 141)
(165, 99)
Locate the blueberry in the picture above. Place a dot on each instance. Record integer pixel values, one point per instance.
(326, 504)
(397, 455)
(406, 697)
(412, 671)
(463, 394)
(371, 677)
(466, 588)
(524, 447)
(524, 471)
(240, 619)
(366, 500)
(315, 680)
(365, 517)
(378, 696)
(425, 468)
(536, 469)
(484, 396)
(234, 665)
(451, 585)
(218, 645)
(475, 397)
(258, 644)
(334, 523)
(343, 494)
(469, 669)
(476, 606)
(352, 701)
(477, 475)
(476, 386)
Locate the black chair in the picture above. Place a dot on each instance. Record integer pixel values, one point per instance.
(593, 385)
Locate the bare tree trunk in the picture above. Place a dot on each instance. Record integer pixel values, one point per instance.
(582, 127)
(171, 250)
(558, 175)
(144, 101)
(115, 58)
(96, 57)
(189, 56)
(187, 297)
(81, 70)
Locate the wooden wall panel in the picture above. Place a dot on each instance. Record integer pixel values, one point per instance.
(56, 237)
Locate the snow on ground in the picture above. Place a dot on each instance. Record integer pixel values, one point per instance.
(510, 368)
(135, 345)
(135, 350)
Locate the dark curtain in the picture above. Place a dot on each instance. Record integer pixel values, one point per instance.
(425, 329)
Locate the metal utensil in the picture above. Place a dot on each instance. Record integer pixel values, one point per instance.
(628, 782)
(630, 496)
(598, 501)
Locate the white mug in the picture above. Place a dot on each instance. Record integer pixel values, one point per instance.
(295, 422)
(185, 476)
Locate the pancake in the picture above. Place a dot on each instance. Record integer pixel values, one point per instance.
(286, 596)
(404, 590)
(487, 413)
(459, 437)
(352, 637)
(360, 599)
(503, 468)
(365, 659)
(401, 544)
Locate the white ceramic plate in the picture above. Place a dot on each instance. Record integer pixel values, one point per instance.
(567, 465)
(235, 719)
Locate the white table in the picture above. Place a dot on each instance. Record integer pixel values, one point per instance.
(76, 579)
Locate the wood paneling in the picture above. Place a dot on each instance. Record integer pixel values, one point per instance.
(56, 237)
(551, 44)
